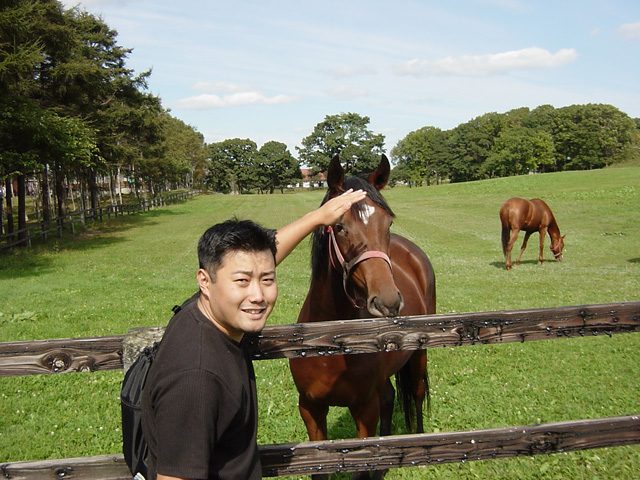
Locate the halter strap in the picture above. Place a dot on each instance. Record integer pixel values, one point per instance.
(347, 267)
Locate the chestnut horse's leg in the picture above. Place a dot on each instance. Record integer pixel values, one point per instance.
(524, 245)
(514, 236)
(543, 233)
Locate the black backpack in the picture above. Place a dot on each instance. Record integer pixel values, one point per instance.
(134, 445)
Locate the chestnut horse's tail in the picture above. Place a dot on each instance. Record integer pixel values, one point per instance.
(404, 386)
(506, 231)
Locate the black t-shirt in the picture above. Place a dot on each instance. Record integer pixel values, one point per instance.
(199, 403)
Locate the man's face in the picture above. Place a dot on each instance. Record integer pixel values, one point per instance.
(243, 293)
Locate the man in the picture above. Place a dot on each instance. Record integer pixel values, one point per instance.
(199, 403)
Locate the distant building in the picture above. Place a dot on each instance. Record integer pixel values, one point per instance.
(308, 181)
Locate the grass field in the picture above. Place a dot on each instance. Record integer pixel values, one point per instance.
(129, 272)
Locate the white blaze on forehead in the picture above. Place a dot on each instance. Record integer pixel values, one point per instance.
(366, 212)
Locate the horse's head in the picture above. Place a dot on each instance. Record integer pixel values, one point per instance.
(556, 248)
(359, 243)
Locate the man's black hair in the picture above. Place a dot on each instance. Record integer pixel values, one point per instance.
(233, 235)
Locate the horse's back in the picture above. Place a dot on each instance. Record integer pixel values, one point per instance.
(514, 212)
(414, 276)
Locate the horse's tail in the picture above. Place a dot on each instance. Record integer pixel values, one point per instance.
(505, 239)
(405, 387)
(506, 231)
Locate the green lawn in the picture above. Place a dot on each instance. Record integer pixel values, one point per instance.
(129, 272)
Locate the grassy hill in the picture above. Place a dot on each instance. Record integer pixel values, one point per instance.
(129, 272)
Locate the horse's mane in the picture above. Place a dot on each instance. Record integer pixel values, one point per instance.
(320, 240)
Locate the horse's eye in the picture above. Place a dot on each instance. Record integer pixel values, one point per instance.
(338, 227)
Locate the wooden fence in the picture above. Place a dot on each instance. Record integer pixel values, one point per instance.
(42, 230)
(354, 337)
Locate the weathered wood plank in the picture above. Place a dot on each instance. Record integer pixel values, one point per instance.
(450, 330)
(343, 337)
(98, 467)
(434, 449)
(351, 455)
(63, 355)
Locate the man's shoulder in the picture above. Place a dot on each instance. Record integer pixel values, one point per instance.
(191, 341)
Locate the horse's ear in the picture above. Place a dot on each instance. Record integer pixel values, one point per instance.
(335, 175)
(380, 177)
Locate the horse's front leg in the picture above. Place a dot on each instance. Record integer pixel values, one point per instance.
(543, 233)
(315, 419)
(366, 416)
(524, 245)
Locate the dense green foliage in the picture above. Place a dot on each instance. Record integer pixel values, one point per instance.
(521, 141)
(238, 166)
(346, 135)
(71, 112)
(129, 272)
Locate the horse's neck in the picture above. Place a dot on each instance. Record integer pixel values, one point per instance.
(553, 229)
(327, 298)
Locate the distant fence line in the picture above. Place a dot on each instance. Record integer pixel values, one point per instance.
(354, 337)
(57, 225)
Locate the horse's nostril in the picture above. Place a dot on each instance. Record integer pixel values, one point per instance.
(390, 308)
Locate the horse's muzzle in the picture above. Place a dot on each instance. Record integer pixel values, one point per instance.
(378, 306)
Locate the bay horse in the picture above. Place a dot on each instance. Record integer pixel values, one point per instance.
(359, 270)
(529, 216)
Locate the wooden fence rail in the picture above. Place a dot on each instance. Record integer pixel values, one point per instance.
(42, 229)
(352, 337)
(339, 337)
(307, 458)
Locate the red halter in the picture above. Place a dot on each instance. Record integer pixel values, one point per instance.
(347, 267)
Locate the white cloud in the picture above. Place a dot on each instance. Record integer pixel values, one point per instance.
(209, 101)
(630, 31)
(218, 87)
(351, 71)
(493, 64)
(344, 92)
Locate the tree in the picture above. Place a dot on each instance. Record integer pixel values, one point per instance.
(184, 149)
(233, 166)
(34, 134)
(470, 145)
(277, 166)
(592, 136)
(519, 151)
(421, 152)
(345, 134)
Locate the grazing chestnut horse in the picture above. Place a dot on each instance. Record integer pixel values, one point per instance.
(529, 216)
(361, 270)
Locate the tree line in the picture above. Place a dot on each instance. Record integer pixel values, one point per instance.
(75, 121)
(521, 141)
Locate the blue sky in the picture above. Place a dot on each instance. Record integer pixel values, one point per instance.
(271, 70)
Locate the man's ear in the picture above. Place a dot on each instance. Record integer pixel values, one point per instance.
(204, 280)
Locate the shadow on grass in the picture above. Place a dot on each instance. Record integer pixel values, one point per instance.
(634, 260)
(501, 266)
(22, 262)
